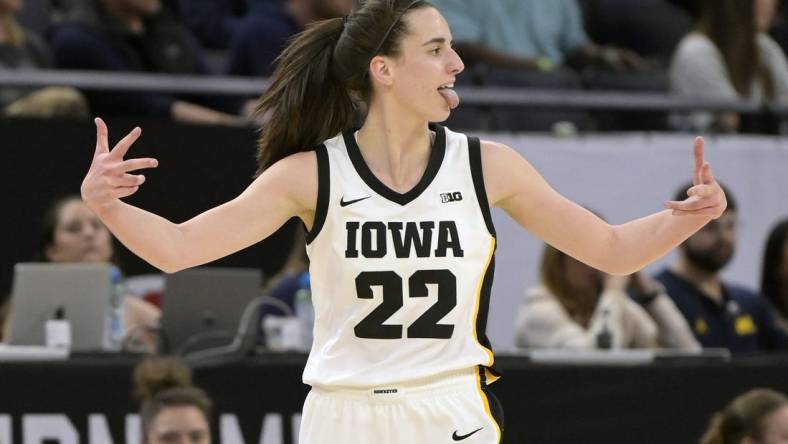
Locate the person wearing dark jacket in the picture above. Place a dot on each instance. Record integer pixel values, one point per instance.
(136, 36)
(721, 315)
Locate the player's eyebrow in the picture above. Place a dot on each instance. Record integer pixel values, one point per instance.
(435, 40)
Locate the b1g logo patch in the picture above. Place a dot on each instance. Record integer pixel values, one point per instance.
(451, 197)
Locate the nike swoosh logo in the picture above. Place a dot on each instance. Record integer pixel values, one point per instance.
(457, 437)
(344, 203)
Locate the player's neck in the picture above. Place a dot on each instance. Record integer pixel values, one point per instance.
(396, 150)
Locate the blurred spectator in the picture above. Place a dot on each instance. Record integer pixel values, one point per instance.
(22, 49)
(720, 314)
(577, 306)
(651, 28)
(691, 6)
(729, 56)
(70, 232)
(774, 278)
(285, 285)
(528, 35)
(139, 36)
(173, 410)
(759, 416)
(264, 32)
(214, 22)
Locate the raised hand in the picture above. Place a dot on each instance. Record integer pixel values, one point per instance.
(108, 178)
(705, 197)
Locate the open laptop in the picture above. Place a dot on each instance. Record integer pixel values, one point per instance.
(82, 290)
(202, 307)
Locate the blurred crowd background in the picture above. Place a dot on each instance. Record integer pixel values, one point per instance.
(594, 68)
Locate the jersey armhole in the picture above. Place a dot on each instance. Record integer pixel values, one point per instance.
(475, 155)
(323, 193)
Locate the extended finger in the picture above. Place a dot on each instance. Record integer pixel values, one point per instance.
(102, 144)
(706, 175)
(702, 190)
(125, 143)
(126, 180)
(698, 148)
(137, 164)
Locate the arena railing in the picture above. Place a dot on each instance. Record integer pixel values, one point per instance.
(473, 96)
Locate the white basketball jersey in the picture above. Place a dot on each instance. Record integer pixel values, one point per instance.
(400, 282)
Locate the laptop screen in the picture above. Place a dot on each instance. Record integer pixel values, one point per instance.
(81, 290)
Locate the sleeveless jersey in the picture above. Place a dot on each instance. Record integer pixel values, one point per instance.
(400, 282)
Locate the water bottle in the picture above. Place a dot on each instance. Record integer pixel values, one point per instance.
(304, 311)
(58, 330)
(604, 339)
(115, 325)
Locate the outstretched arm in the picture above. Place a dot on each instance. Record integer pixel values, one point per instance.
(514, 185)
(287, 189)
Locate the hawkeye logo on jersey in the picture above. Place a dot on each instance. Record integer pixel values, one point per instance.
(408, 239)
(451, 197)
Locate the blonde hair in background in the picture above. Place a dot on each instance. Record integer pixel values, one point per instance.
(743, 417)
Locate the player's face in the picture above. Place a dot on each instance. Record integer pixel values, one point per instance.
(765, 11)
(427, 62)
(712, 247)
(179, 425)
(775, 427)
(79, 236)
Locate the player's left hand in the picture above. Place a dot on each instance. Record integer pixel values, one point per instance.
(705, 197)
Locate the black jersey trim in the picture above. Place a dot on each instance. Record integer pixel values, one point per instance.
(323, 193)
(433, 165)
(475, 154)
(484, 310)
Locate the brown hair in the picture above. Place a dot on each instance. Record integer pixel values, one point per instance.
(162, 382)
(730, 24)
(321, 75)
(553, 274)
(771, 280)
(743, 417)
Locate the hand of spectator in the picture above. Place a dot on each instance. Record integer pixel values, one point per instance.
(108, 178)
(706, 197)
(622, 60)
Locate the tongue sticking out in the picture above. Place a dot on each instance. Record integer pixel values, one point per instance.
(451, 97)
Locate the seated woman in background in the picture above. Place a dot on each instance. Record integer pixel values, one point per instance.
(579, 307)
(729, 56)
(774, 277)
(70, 232)
(21, 49)
(759, 416)
(173, 410)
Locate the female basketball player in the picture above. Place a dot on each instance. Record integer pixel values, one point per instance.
(399, 231)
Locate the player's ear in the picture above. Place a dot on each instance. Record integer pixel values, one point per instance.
(380, 70)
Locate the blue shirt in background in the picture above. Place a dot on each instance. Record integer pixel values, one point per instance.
(525, 28)
(743, 323)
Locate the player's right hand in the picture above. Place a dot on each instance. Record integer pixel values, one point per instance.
(108, 178)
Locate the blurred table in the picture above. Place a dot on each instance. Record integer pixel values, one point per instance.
(258, 399)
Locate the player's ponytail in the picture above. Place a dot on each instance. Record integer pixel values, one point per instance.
(323, 74)
(743, 417)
